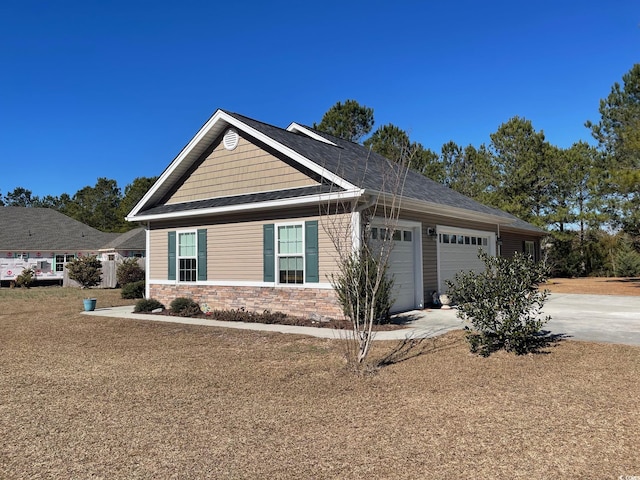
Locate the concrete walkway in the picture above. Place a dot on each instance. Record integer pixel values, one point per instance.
(423, 324)
(601, 318)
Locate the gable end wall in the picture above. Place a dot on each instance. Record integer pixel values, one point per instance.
(246, 169)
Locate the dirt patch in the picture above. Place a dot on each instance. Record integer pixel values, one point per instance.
(93, 397)
(595, 286)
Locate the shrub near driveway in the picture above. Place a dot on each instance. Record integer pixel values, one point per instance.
(96, 397)
(503, 303)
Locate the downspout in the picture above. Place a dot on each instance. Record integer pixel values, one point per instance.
(146, 260)
(499, 243)
(356, 221)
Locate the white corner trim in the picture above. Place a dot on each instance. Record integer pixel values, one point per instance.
(147, 259)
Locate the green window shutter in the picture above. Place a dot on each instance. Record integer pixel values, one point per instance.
(268, 253)
(311, 251)
(202, 254)
(172, 256)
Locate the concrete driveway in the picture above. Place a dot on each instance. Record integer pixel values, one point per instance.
(598, 318)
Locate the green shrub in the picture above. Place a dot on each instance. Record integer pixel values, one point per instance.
(26, 278)
(185, 307)
(133, 290)
(129, 271)
(503, 303)
(87, 271)
(354, 286)
(243, 315)
(147, 305)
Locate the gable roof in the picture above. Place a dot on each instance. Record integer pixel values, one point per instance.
(350, 169)
(42, 229)
(132, 240)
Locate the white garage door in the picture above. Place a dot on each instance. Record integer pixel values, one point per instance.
(458, 251)
(403, 267)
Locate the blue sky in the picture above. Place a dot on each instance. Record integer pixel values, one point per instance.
(116, 88)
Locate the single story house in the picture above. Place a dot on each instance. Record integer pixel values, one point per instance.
(125, 245)
(45, 240)
(240, 219)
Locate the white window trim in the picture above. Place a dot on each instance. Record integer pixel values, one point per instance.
(248, 283)
(178, 256)
(532, 244)
(278, 255)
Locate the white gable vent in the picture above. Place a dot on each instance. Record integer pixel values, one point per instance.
(230, 139)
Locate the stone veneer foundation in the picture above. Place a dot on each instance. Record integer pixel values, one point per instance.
(292, 301)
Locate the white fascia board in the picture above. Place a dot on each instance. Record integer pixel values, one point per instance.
(297, 128)
(219, 116)
(450, 211)
(216, 117)
(288, 202)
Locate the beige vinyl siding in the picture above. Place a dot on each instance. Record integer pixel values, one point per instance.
(513, 242)
(235, 252)
(246, 169)
(429, 264)
(157, 254)
(235, 249)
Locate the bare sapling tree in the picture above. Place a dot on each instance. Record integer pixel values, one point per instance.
(363, 234)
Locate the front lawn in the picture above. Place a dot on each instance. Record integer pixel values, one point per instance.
(93, 397)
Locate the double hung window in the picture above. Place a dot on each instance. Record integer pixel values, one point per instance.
(290, 254)
(187, 257)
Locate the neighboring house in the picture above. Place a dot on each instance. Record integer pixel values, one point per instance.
(125, 245)
(45, 240)
(234, 221)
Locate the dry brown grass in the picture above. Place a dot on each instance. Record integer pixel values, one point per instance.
(89, 397)
(595, 285)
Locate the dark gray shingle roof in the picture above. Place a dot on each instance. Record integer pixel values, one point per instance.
(241, 199)
(349, 161)
(367, 169)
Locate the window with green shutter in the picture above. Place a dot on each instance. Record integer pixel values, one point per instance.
(290, 253)
(171, 260)
(311, 251)
(187, 255)
(202, 254)
(268, 253)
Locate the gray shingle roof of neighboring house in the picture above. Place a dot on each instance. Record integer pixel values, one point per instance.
(32, 229)
(132, 240)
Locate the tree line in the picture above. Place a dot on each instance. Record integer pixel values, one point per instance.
(586, 196)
